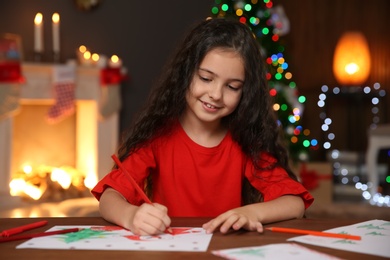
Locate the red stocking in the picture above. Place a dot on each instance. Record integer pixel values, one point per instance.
(64, 89)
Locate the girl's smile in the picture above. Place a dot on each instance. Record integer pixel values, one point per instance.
(210, 106)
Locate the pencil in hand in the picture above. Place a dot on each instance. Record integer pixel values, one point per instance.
(135, 185)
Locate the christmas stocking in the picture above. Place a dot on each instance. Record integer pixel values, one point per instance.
(110, 100)
(10, 79)
(64, 93)
(9, 99)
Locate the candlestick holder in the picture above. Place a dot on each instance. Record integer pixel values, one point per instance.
(38, 56)
(56, 57)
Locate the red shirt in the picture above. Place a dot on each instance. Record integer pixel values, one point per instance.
(196, 181)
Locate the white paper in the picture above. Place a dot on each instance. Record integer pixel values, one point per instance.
(288, 251)
(117, 238)
(375, 240)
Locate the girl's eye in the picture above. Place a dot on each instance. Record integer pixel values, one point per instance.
(204, 79)
(233, 88)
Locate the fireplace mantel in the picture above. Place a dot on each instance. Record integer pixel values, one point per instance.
(96, 138)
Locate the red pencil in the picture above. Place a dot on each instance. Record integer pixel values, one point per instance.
(314, 233)
(140, 191)
(43, 234)
(17, 230)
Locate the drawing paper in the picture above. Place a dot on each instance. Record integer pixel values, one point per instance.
(117, 238)
(288, 251)
(375, 238)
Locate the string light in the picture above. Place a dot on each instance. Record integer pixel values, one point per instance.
(321, 103)
(248, 7)
(377, 94)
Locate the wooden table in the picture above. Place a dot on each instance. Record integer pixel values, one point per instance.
(219, 241)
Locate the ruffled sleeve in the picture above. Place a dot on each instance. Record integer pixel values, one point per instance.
(139, 166)
(276, 182)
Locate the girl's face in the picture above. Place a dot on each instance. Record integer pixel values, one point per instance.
(216, 87)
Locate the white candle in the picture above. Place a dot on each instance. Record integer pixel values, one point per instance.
(38, 33)
(56, 32)
(102, 62)
(80, 54)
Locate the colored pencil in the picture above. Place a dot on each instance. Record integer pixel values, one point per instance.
(140, 191)
(42, 234)
(17, 230)
(314, 233)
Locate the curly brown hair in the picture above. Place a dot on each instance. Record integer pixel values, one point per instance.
(253, 124)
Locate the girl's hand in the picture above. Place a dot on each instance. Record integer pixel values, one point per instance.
(243, 217)
(150, 219)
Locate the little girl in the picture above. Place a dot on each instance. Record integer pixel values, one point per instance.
(207, 145)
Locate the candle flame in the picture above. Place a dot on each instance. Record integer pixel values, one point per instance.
(55, 18)
(38, 18)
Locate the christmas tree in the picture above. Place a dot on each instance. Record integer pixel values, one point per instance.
(268, 23)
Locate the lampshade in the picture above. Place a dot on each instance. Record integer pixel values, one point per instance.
(351, 60)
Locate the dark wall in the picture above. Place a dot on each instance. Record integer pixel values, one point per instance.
(144, 33)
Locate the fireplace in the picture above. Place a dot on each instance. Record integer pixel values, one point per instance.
(83, 141)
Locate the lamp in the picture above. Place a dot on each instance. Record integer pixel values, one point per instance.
(351, 60)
